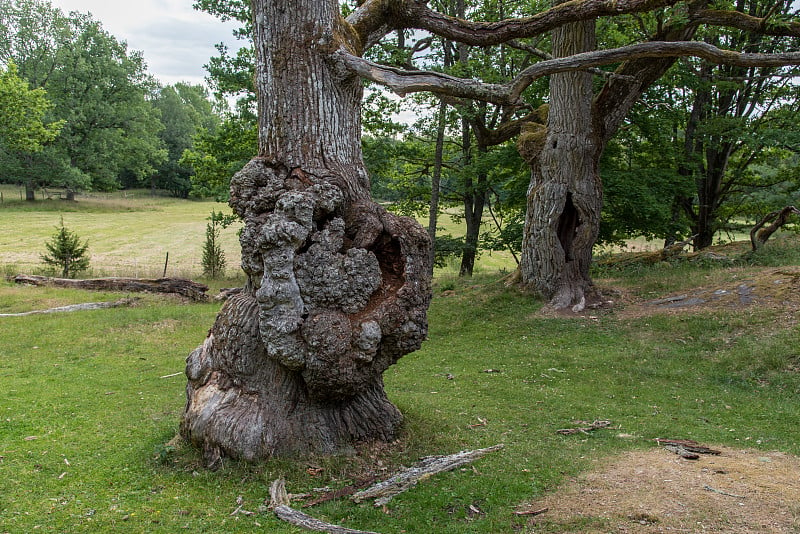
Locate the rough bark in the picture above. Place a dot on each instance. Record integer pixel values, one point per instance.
(565, 195)
(759, 234)
(337, 288)
(179, 286)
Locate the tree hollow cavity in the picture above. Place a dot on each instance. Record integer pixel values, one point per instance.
(568, 223)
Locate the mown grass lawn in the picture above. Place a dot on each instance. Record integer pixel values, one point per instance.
(89, 400)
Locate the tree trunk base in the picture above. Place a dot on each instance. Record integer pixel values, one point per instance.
(243, 404)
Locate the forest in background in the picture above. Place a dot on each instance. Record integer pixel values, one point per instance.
(706, 149)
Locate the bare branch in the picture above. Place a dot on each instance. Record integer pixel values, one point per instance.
(279, 503)
(547, 56)
(657, 49)
(384, 491)
(404, 82)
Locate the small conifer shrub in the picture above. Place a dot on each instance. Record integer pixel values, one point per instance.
(213, 255)
(66, 252)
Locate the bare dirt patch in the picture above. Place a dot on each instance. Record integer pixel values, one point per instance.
(739, 491)
(754, 291)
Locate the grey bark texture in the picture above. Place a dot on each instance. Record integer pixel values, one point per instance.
(565, 194)
(337, 288)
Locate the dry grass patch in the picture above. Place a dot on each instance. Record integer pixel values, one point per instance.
(739, 491)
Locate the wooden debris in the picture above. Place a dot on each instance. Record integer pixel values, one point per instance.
(599, 423)
(180, 286)
(75, 307)
(532, 512)
(341, 492)
(709, 488)
(384, 491)
(686, 448)
(279, 503)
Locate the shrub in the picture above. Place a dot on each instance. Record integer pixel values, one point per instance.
(66, 252)
(213, 255)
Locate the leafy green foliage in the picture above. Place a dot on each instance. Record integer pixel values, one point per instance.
(98, 89)
(216, 156)
(66, 252)
(22, 114)
(185, 111)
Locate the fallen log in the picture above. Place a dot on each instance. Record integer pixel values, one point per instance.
(75, 307)
(279, 503)
(179, 286)
(384, 491)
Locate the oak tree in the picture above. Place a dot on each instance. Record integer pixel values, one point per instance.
(337, 288)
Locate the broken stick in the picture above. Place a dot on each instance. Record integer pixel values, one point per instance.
(75, 307)
(279, 503)
(585, 429)
(383, 492)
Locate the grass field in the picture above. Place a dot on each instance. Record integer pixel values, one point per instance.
(90, 399)
(134, 241)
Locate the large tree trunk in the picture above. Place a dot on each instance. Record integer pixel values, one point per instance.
(565, 194)
(337, 288)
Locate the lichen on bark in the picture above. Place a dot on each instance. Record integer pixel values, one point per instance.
(294, 364)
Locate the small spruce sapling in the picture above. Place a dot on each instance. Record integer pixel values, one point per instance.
(66, 252)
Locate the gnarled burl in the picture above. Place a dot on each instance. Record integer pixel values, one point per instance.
(337, 288)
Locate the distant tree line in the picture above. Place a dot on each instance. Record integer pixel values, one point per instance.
(109, 124)
(705, 148)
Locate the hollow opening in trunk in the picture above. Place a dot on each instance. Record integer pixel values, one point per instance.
(568, 221)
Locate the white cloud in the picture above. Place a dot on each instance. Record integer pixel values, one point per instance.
(176, 40)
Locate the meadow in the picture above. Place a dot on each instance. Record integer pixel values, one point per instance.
(90, 400)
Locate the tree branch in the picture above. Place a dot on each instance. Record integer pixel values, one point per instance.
(403, 81)
(279, 503)
(657, 49)
(372, 20)
(742, 21)
(418, 15)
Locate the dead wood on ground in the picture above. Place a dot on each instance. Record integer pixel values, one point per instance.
(384, 491)
(585, 429)
(279, 503)
(179, 286)
(75, 307)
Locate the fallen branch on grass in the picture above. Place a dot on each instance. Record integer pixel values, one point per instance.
(686, 448)
(384, 491)
(532, 512)
(585, 429)
(709, 488)
(179, 286)
(75, 307)
(279, 503)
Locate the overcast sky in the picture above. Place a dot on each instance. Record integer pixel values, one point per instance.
(176, 40)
